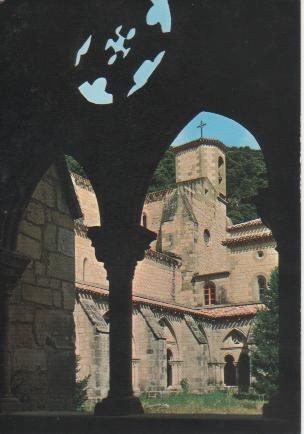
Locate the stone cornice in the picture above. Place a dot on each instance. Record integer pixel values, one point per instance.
(162, 258)
(156, 196)
(196, 143)
(210, 276)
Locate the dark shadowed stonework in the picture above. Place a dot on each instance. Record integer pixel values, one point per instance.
(237, 58)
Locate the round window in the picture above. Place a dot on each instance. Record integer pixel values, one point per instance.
(260, 254)
(207, 237)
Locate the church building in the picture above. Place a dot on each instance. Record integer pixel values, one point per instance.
(196, 293)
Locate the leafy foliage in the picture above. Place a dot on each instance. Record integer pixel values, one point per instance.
(265, 355)
(246, 173)
(185, 385)
(164, 175)
(74, 166)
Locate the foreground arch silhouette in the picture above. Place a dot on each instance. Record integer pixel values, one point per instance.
(45, 117)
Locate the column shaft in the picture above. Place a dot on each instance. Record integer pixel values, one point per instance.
(120, 303)
(120, 248)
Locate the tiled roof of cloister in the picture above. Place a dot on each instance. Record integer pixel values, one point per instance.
(213, 312)
(245, 225)
(246, 239)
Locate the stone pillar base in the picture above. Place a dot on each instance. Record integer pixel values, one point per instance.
(120, 406)
(10, 404)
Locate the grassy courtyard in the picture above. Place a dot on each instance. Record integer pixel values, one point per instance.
(219, 402)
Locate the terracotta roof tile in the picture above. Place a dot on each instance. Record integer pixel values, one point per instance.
(208, 313)
(250, 223)
(232, 311)
(247, 239)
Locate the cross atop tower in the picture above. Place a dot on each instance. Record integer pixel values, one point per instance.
(201, 126)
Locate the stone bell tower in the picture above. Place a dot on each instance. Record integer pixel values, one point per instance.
(202, 158)
(200, 219)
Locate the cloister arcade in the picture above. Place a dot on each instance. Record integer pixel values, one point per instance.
(237, 58)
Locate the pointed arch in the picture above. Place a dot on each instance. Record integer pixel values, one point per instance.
(168, 329)
(235, 338)
(106, 317)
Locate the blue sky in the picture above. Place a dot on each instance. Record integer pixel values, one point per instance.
(217, 127)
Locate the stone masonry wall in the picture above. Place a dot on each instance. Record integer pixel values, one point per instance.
(201, 364)
(156, 280)
(191, 358)
(88, 269)
(246, 265)
(43, 333)
(188, 165)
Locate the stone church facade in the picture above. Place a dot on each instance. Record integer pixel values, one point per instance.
(195, 294)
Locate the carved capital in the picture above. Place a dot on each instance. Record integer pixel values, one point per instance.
(12, 265)
(120, 247)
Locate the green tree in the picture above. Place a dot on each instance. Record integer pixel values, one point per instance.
(265, 355)
(164, 175)
(246, 174)
(74, 166)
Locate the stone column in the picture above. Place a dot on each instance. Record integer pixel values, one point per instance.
(12, 266)
(119, 249)
(222, 378)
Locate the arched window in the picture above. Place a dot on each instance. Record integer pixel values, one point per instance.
(234, 338)
(229, 371)
(169, 368)
(209, 293)
(220, 169)
(85, 269)
(168, 331)
(207, 237)
(145, 220)
(262, 285)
